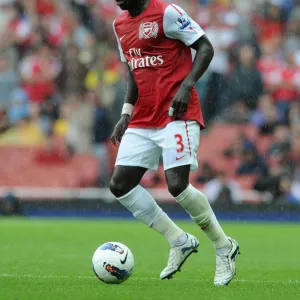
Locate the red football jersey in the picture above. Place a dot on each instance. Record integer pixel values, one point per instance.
(155, 45)
(275, 72)
(289, 75)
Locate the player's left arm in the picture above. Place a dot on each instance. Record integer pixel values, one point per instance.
(204, 55)
(202, 60)
(178, 25)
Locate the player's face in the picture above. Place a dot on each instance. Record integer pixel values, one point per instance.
(126, 4)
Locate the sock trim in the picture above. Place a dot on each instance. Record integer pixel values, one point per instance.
(184, 194)
(204, 227)
(129, 193)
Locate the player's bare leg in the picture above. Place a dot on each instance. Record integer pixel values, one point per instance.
(125, 186)
(125, 179)
(197, 205)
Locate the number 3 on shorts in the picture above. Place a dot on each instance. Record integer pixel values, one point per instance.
(179, 142)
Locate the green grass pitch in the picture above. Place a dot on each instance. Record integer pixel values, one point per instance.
(51, 259)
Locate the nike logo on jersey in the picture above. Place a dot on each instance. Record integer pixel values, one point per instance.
(121, 38)
(179, 158)
(125, 259)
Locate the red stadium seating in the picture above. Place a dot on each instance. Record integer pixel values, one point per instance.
(19, 169)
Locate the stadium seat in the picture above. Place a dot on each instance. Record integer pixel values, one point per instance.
(19, 169)
(88, 167)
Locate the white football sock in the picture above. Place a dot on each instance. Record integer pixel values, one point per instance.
(197, 205)
(175, 236)
(145, 209)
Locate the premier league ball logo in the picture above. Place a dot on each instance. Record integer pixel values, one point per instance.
(148, 30)
(112, 247)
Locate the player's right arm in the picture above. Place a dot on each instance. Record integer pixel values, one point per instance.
(131, 90)
(131, 96)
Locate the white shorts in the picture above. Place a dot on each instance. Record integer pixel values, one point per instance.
(178, 143)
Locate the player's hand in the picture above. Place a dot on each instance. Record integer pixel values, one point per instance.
(120, 129)
(180, 102)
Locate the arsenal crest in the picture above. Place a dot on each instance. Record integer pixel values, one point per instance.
(148, 30)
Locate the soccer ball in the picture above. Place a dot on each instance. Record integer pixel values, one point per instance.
(113, 263)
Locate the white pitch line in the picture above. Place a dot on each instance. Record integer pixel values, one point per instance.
(287, 282)
(268, 281)
(45, 276)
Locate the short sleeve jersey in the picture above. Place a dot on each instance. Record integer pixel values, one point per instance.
(155, 45)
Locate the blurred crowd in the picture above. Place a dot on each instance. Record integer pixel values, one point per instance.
(255, 79)
(61, 77)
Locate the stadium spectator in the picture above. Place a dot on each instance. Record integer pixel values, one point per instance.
(49, 113)
(10, 205)
(222, 190)
(45, 7)
(238, 113)
(295, 149)
(19, 106)
(94, 77)
(206, 174)
(270, 64)
(294, 115)
(71, 79)
(252, 163)
(9, 79)
(271, 120)
(27, 131)
(223, 38)
(82, 7)
(266, 110)
(103, 76)
(81, 36)
(57, 27)
(237, 148)
(101, 132)
(290, 191)
(297, 172)
(279, 157)
(245, 83)
(99, 23)
(292, 40)
(288, 82)
(269, 20)
(80, 118)
(269, 185)
(38, 70)
(20, 28)
(281, 141)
